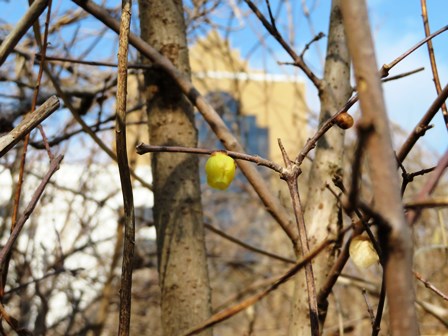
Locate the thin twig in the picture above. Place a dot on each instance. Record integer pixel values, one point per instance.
(369, 307)
(422, 125)
(93, 63)
(54, 166)
(376, 327)
(31, 15)
(430, 286)
(290, 176)
(432, 59)
(144, 148)
(28, 124)
(428, 203)
(298, 61)
(364, 132)
(125, 176)
(247, 246)
(428, 188)
(384, 71)
(402, 75)
(308, 45)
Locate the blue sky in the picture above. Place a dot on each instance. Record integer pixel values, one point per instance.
(396, 26)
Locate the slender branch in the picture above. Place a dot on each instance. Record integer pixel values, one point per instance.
(290, 176)
(369, 307)
(432, 59)
(428, 188)
(30, 122)
(422, 125)
(245, 245)
(402, 75)
(31, 15)
(93, 63)
(384, 71)
(376, 327)
(308, 45)
(428, 203)
(298, 61)
(431, 286)
(54, 166)
(125, 175)
(144, 148)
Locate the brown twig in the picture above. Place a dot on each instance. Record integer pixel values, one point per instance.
(291, 175)
(376, 327)
(298, 61)
(364, 132)
(13, 323)
(409, 177)
(413, 214)
(144, 148)
(247, 246)
(125, 176)
(308, 45)
(422, 125)
(402, 75)
(28, 124)
(430, 286)
(432, 59)
(31, 15)
(369, 307)
(54, 166)
(93, 63)
(428, 203)
(384, 71)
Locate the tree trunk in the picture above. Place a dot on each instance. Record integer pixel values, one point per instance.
(321, 211)
(178, 219)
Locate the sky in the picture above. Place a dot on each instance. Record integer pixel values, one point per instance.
(396, 26)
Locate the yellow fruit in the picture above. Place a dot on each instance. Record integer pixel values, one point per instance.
(344, 120)
(362, 252)
(220, 170)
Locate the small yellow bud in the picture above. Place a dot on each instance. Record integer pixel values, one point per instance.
(220, 170)
(362, 252)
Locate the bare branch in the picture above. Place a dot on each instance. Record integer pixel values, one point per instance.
(28, 124)
(125, 175)
(432, 59)
(32, 14)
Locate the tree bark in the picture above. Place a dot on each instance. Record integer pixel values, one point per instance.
(183, 275)
(322, 211)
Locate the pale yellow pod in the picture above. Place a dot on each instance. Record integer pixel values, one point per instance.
(362, 252)
(220, 170)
